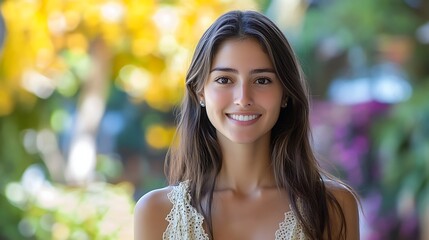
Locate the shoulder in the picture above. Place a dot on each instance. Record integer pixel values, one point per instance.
(149, 214)
(342, 193)
(348, 201)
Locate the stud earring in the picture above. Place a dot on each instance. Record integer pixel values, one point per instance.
(202, 103)
(284, 105)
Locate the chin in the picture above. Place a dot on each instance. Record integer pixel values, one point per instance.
(245, 140)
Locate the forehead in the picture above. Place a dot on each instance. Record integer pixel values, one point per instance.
(241, 53)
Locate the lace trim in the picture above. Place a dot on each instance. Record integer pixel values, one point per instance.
(290, 228)
(185, 222)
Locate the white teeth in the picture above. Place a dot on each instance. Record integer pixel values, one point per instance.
(243, 117)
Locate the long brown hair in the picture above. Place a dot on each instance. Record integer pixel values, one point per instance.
(196, 155)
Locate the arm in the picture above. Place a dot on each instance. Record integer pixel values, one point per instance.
(349, 206)
(149, 215)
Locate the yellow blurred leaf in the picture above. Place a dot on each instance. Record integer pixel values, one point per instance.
(159, 137)
(6, 102)
(77, 42)
(155, 36)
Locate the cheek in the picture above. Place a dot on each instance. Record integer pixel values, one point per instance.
(273, 98)
(216, 104)
(275, 104)
(216, 98)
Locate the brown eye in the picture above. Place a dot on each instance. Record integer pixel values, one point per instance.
(263, 81)
(222, 80)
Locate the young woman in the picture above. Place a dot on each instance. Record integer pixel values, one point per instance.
(243, 167)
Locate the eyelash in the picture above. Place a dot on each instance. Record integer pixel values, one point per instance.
(266, 80)
(220, 79)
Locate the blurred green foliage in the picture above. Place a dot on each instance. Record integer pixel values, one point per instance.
(332, 29)
(402, 143)
(98, 211)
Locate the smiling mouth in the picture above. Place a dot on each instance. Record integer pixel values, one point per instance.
(243, 118)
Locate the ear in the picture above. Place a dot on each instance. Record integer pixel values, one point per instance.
(284, 102)
(201, 95)
(201, 99)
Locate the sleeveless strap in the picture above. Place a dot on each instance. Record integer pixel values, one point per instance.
(184, 222)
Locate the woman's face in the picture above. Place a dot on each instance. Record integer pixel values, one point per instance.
(242, 94)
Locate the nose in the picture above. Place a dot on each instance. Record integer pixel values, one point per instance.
(243, 95)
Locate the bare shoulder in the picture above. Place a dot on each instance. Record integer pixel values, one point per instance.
(342, 193)
(149, 214)
(348, 202)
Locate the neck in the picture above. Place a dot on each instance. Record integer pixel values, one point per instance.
(246, 168)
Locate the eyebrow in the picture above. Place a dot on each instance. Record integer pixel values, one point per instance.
(232, 70)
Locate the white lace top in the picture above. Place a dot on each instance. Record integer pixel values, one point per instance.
(185, 223)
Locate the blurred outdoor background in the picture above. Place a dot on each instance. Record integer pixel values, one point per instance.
(88, 90)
